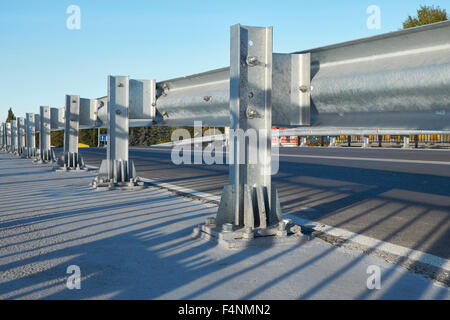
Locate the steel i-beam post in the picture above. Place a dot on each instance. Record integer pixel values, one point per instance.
(2, 136)
(20, 135)
(366, 142)
(37, 129)
(250, 201)
(333, 142)
(117, 171)
(406, 141)
(14, 137)
(8, 136)
(30, 150)
(304, 142)
(71, 159)
(46, 152)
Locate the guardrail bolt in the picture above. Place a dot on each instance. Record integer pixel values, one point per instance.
(304, 89)
(252, 61)
(251, 113)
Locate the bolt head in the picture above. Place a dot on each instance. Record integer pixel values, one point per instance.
(252, 61)
(303, 88)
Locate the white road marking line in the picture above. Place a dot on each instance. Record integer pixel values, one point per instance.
(375, 243)
(368, 159)
(446, 163)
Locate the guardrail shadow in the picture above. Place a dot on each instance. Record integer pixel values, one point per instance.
(138, 246)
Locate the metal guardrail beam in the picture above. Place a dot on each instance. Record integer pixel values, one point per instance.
(398, 80)
(335, 132)
(205, 97)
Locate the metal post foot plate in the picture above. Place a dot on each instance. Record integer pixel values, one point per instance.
(232, 237)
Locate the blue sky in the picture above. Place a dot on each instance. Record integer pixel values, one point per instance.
(41, 60)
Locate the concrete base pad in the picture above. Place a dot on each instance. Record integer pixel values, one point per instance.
(240, 239)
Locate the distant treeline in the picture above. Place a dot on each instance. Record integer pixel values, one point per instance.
(145, 136)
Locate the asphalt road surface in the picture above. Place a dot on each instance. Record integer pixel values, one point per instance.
(398, 196)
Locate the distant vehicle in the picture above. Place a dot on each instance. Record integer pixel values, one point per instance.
(82, 145)
(284, 141)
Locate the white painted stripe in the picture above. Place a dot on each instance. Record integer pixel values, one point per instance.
(446, 163)
(375, 243)
(367, 159)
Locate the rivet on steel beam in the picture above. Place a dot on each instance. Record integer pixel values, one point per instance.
(207, 98)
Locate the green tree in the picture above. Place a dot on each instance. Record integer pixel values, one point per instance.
(11, 115)
(89, 137)
(426, 15)
(57, 138)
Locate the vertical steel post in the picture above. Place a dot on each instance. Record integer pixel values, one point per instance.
(117, 170)
(71, 125)
(2, 136)
(71, 159)
(118, 103)
(46, 153)
(406, 140)
(20, 135)
(14, 137)
(304, 142)
(37, 129)
(366, 142)
(250, 200)
(8, 136)
(333, 142)
(30, 151)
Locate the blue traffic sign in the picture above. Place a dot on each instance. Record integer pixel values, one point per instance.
(103, 137)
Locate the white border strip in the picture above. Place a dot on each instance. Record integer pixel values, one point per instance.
(375, 244)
